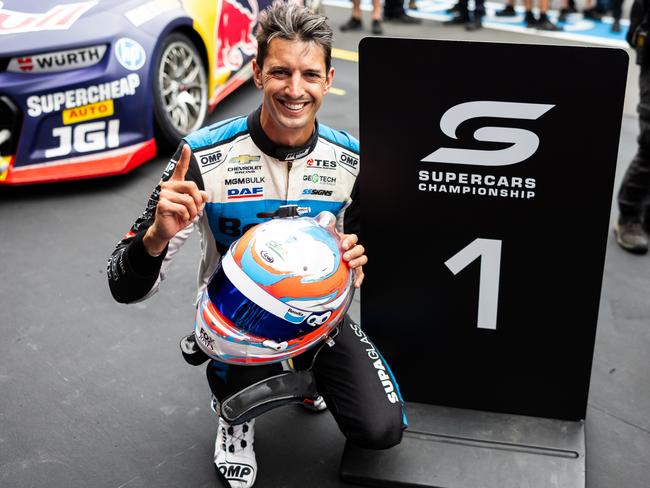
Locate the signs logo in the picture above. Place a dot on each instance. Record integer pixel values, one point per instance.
(524, 142)
(317, 192)
(130, 54)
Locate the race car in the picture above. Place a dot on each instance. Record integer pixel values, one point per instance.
(88, 87)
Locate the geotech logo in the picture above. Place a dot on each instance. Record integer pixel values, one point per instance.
(524, 142)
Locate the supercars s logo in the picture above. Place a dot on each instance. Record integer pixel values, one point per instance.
(59, 17)
(235, 34)
(523, 142)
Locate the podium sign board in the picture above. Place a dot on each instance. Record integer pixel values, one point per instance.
(487, 183)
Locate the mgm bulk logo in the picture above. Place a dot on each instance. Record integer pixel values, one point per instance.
(523, 144)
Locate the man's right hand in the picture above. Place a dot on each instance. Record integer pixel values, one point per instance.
(179, 204)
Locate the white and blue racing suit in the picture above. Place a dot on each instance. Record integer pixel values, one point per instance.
(244, 174)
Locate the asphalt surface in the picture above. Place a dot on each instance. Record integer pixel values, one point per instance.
(95, 394)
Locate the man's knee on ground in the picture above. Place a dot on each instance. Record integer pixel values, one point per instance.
(378, 435)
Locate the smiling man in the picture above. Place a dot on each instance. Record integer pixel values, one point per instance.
(220, 180)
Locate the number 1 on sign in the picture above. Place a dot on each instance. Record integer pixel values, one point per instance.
(489, 250)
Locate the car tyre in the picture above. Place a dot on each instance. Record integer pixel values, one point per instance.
(180, 89)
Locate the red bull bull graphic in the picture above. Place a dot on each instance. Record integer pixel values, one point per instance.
(235, 36)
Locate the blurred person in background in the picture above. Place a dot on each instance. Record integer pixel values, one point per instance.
(631, 227)
(472, 20)
(542, 22)
(394, 12)
(355, 24)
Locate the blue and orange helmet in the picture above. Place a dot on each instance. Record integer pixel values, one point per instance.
(278, 291)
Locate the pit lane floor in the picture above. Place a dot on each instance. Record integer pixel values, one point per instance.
(95, 394)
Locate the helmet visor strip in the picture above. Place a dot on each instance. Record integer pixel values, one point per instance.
(274, 320)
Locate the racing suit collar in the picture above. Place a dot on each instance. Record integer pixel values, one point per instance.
(283, 153)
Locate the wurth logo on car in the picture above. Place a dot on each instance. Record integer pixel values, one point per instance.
(24, 64)
(59, 17)
(58, 61)
(235, 34)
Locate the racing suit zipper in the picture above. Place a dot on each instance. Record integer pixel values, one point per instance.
(289, 166)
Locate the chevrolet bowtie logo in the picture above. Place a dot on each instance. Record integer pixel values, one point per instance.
(244, 159)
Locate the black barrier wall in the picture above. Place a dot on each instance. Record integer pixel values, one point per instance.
(487, 182)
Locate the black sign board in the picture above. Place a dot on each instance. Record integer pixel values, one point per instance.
(487, 183)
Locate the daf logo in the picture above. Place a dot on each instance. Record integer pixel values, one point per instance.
(266, 256)
(524, 142)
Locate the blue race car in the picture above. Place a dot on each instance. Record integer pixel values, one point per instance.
(88, 87)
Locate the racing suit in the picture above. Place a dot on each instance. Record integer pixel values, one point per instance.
(635, 188)
(245, 173)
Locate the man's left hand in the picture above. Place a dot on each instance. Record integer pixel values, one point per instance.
(354, 255)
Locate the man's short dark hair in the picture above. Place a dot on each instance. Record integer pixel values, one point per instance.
(293, 23)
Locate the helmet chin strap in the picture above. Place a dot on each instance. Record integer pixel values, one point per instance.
(279, 390)
(288, 387)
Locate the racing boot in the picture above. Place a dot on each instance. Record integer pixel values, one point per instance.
(631, 236)
(234, 457)
(315, 404)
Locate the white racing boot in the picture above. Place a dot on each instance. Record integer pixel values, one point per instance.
(315, 404)
(234, 457)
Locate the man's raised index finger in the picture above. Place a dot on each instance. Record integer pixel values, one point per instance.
(183, 163)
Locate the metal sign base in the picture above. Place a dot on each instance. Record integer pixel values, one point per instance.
(457, 448)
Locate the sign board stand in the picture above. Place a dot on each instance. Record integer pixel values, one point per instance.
(446, 447)
(487, 184)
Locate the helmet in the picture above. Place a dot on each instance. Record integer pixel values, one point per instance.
(279, 290)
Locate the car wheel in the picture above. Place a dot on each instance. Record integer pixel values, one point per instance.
(180, 90)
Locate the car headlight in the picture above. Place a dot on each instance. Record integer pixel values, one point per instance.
(57, 60)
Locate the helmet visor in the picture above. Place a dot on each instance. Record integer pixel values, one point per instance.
(250, 318)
